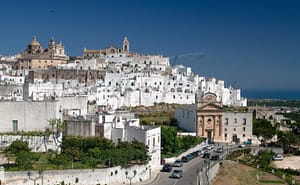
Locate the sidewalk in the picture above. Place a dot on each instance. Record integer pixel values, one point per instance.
(154, 176)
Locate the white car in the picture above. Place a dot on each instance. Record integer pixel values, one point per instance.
(278, 157)
(242, 146)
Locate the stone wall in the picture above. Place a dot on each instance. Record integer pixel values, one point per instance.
(109, 176)
(35, 143)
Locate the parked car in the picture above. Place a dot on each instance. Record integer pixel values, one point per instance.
(215, 157)
(206, 155)
(167, 168)
(177, 163)
(200, 152)
(242, 146)
(185, 159)
(195, 154)
(278, 157)
(219, 150)
(177, 174)
(210, 147)
(190, 156)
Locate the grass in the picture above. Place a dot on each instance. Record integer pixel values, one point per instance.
(272, 181)
(231, 173)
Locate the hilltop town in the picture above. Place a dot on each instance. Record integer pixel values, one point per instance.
(46, 95)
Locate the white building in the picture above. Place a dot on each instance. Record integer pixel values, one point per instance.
(35, 115)
(118, 126)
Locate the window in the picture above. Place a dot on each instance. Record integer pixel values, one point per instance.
(244, 129)
(156, 97)
(244, 135)
(226, 121)
(244, 121)
(15, 125)
(234, 129)
(225, 129)
(158, 139)
(235, 120)
(225, 135)
(173, 96)
(148, 142)
(154, 141)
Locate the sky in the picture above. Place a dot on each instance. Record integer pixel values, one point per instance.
(250, 44)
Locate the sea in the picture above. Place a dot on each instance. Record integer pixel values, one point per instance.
(271, 94)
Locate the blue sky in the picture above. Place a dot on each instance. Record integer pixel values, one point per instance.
(249, 44)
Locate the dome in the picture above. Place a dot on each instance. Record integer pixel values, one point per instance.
(34, 42)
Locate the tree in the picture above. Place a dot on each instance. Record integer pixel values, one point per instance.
(264, 128)
(25, 159)
(17, 146)
(168, 139)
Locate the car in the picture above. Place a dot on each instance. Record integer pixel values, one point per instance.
(206, 155)
(210, 147)
(167, 168)
(177, 163)
(247, 142)
(185, 159)
(278, 157)
(200, 152)
(190, 156)
(195, 154)
(242, 146)
(177, 174)
(219, 150)
(215, 157)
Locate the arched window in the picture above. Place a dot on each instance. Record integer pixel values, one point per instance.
(179, 89)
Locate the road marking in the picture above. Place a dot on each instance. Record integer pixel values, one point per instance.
(156, 180)
(175, 181)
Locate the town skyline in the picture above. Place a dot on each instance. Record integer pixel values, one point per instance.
(250, 45)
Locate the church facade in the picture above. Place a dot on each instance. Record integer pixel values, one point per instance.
(210, 120)
(35, 57)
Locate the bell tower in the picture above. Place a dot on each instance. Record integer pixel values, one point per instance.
(125, 44)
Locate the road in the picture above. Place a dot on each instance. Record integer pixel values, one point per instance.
(190, 170)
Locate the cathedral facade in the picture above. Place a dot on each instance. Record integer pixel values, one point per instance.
(35, 57)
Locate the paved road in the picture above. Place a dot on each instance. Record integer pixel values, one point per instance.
(190, 170)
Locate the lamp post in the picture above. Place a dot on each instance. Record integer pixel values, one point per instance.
(199, 174)
(207, 170)
(130, 177)
(150, 171)
(34, 179)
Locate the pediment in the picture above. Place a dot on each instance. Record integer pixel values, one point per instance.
(209, 106)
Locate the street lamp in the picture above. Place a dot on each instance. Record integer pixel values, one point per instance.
(207, 170)
(150, 171)
(130, 177)
(34, 179)
(199, 174)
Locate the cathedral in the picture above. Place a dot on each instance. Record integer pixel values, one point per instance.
(35, 57)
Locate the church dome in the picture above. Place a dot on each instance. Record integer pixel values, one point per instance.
(34, 42)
